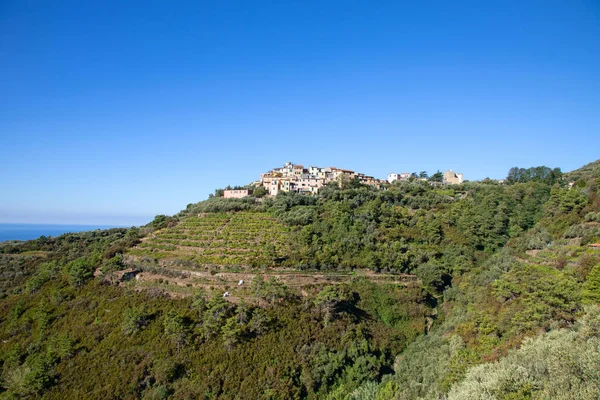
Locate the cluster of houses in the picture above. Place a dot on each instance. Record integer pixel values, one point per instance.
(296, 178)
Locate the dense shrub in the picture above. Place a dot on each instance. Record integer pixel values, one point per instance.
(561, 364)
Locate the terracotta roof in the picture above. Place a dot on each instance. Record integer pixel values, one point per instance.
(594, 245)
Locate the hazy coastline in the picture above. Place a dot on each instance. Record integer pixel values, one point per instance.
(16, 231)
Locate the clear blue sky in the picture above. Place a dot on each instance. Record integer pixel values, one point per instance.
(112, 113)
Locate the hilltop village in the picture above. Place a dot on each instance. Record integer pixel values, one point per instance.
(296, 178)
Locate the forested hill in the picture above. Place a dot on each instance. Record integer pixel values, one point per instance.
(478, 290)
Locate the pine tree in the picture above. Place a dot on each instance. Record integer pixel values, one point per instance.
(232, 332)
(175, 329)
(79, 271)
(591, 287)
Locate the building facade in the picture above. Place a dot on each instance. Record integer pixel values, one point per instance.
(236, 193)
(453, 178)
(403, 176)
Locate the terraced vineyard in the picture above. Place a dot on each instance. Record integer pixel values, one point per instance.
(243, 239)
(218, 251)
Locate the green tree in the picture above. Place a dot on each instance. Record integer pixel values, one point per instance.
(437, 177)
(534, 295)
(111, 266)
(276, 290)
(162, 221)
(271, 291)
(199, 303)
(30, 379)
(591, 287)
(175, 329)
(242, 312)
(79, 271)
(135, 319)
(259, 192)
(42, 317)
(232, 332)
(542, 174)
(45, 272)
(433, 275)
(217, 311)
(258, 287)
(330, 299)
(259, 322)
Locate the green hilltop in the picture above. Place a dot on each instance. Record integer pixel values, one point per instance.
(586, 173)
(409, 290)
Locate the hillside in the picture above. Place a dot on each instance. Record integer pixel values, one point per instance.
(409, 291)
(586, 173)
(221, 239)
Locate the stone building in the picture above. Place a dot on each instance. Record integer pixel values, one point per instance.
(453, 178)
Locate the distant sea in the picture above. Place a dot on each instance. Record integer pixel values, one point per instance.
(34, 231)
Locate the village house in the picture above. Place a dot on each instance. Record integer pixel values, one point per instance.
(297, 170)
(236, 193)
(317, 172)
(310, 183)
(398, 177)
(368, 180)
(272, 187)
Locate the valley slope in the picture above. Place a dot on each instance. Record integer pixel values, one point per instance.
(410, 291)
